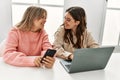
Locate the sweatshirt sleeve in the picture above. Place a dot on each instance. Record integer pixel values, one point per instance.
(12, 56)
(19, 59)
(45, 43)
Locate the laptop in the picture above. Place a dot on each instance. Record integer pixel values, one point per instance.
(88, 59)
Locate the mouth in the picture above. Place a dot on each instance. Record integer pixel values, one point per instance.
(42, 24)
(66, 25)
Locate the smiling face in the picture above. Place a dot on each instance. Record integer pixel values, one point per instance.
(39, 23)
(69, 22)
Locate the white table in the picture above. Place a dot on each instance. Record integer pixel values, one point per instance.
(111, 72)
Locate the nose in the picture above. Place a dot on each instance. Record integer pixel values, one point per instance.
(64, 20)
(44, 19)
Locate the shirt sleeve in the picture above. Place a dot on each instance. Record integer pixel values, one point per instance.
(91, 42)
(58, 43)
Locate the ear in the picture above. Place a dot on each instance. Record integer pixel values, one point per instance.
(77, 22)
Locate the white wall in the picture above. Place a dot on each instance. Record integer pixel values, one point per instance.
(95, 11)
(5, 18)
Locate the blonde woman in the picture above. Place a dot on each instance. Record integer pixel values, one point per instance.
(27, 42)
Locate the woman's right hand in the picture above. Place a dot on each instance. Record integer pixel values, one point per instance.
(70, 57)
(37, 61)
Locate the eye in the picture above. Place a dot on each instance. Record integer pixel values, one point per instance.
(67, 19)
(43, 17)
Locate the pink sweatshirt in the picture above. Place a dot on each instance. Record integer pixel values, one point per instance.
(22, 47)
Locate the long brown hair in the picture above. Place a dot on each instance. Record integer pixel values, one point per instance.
(78, 14)
(31, 13)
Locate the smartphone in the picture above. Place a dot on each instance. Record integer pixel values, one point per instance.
(49, 52)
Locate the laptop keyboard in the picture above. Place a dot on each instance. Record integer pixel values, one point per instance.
(68, 66)
(69, 61)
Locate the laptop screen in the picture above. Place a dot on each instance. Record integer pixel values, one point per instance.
(87, 59)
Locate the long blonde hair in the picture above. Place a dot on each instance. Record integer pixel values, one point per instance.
(31, 13)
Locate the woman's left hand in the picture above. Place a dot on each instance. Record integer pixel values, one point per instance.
(48, 61)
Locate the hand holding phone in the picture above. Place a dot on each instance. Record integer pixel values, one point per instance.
(49, 52)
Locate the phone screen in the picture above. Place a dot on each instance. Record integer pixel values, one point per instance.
(49, 52)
